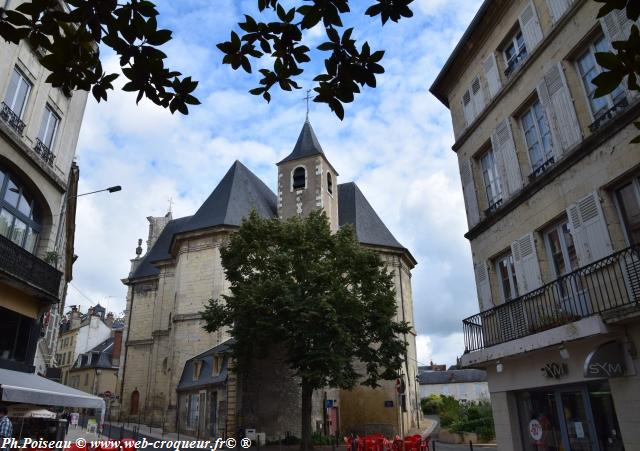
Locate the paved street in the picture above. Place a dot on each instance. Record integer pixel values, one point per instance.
(449, 447)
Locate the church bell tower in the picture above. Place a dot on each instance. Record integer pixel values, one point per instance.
(306, 180)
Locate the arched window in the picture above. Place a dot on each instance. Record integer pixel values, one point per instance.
(135, 400)
(329, 183)
(299, 178)
(19, 219)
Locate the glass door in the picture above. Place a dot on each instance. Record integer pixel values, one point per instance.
(578, 421)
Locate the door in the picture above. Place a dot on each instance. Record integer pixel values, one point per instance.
(577, 419)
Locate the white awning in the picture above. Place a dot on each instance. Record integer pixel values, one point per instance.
(33, 389)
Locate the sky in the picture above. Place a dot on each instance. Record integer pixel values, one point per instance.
(395, 143)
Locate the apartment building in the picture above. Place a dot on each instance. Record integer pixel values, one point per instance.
(552, 195)
(39, 128)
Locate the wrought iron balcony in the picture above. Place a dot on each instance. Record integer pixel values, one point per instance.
(493, 207)
(599, 287)
(44, 152)
(21, 267)
(541, 169)
(12, 119)
(515, 63)
(609, 114)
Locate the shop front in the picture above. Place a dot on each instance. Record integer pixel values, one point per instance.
(579, 396)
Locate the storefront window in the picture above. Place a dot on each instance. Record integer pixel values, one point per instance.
(604, 417)
(539, 422)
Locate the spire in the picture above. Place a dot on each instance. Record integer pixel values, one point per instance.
(307, 144)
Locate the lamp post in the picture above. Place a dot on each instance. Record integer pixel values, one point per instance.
(111, 189)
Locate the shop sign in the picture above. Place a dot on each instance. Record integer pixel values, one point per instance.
(535, 430)
(606, 361)
(554, 370)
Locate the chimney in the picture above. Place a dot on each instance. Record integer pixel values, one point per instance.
(109, 320)
(117, 347)
(75, 317)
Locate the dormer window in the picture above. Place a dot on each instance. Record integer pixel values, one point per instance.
(329, 183)
(197, 368)
(299, 178)
(217, 365)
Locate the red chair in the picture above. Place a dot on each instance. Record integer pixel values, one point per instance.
(75, 447)
(128, 444)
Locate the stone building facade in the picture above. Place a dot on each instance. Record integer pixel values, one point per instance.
(39, 128)
(181, 270)
(550, 183)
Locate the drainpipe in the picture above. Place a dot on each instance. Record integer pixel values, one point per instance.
(126, 350)
(404, 318)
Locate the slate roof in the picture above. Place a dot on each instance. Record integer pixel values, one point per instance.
(206, 372)
(98, 357)
(239, 192)
(452, 376)
(306, 146)
(354, 209)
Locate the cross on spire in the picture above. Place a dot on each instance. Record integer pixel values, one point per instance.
(170, 203)
(307, 97)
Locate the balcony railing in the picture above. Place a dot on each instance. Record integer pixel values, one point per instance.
(515, 63)
(12, 119)
(609, 114)
(22, 265)
(44, 152)
(601, 286)
(541, 169)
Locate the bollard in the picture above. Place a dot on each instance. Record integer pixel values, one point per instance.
(434, 445)
(470, 445)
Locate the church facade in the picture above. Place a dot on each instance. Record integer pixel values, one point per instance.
(166, 346)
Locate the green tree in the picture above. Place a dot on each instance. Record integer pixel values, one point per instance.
(623, 64)
(69, 36)
(319, 297)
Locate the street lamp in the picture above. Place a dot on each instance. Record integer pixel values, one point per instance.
(111, 189)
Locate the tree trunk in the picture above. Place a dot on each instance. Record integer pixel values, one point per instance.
(307, 392)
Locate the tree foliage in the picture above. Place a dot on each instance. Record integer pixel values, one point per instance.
(623, 64)
(320, 298)
(67, 35)
(348, 66)
(70, 36)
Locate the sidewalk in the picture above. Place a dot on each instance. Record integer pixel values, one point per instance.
(112, 429)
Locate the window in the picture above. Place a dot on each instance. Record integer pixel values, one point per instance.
(629, 205)
(329, 183)
(507, 277)
(18, 218)
(217, 365)
(192, 411)
(48, 128)
(561, 250)
(589, 69)
(86, 379)
(15, 337)
(538, 139)
(514, 53)
(18, 93)
(197, 367)
(299, 178)
(492, 186)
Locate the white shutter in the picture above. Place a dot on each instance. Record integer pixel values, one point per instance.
(555, 96)
(469, 192)
(525, 262)
(530, 27)
(506, 157)
(492, 74)
(616, 25)
(484, 286)
(478, 97)
(557, 8)
(467, 107)
(589, 230)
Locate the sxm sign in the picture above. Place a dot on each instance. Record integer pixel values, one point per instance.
(606, 361)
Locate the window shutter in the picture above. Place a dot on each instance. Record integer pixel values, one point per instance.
(506, 157)
(554, 95)
(525, 262)
(530, 27)
(492, 74)
(483, 284)
(478, 97)
(616, 25)
(469, 191)
(467, 107)
(557, 8)
(589, 229)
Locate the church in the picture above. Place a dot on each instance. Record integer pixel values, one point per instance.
(176, 376)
